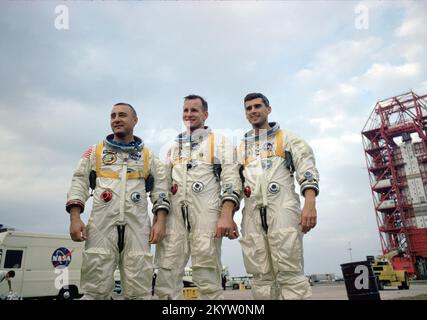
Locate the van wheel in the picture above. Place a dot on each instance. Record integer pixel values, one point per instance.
(405, 284)
(235, 286)
(66, 294)
(380, 284)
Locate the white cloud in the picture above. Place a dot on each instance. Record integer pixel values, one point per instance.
(411, 42)
(380, 71)
(387, 80)
(340, 93)
(421, 88)
(339, 60)
(328, 122)
(343, 147)
(413, 26)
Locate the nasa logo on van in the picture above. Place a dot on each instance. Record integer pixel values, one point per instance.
(61, 258)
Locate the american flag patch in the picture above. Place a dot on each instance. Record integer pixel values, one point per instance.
(87, 153)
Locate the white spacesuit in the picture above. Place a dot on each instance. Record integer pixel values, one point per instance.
(198, 189)
(271, 235)
(119, 226)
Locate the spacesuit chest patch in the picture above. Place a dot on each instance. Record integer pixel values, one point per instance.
(87, 153)
(109, 158)
(266, 164)
(191, 164)
(268, 146)
(135, 156)
(195, 146)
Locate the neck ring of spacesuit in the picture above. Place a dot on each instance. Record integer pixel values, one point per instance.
(136, 145)
(199, 134)
(251, 136)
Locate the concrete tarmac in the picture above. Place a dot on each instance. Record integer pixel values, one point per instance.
(337, 291)
(326, 291)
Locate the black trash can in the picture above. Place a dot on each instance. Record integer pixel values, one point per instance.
(360, 281)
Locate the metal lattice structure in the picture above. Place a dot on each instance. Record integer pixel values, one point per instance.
(395, 144)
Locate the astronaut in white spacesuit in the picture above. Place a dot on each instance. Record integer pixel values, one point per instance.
(121, 171)
(273, 223)
(205, 193)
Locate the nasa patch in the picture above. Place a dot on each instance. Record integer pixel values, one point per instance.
(195, 146)
(268, 146)
(61, 258)
(135, 156)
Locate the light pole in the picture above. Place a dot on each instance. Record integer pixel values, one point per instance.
(349, 250)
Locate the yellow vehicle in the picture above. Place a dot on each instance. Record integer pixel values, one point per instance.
(385, 273)
(237, 283)
(190, 293)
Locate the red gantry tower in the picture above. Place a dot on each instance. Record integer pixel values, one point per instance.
(395, 144)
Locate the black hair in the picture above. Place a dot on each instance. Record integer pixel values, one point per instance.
(255, 95)
(194, 96)
(11, 273)
(126, 104)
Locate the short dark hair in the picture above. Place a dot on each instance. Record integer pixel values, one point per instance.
(126, 104)
(195, 96)
(255, 95)
(11, 273)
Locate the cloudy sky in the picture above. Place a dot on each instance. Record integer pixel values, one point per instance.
(323, 66)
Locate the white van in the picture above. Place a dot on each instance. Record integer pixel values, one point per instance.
(45, 265)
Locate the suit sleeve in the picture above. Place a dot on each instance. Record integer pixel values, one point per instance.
(306, 172)
(79, 190)
(231, 185)
(159, 196)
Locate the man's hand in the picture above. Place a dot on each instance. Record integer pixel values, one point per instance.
(78, 230)
(224, 226)
(309, 213)
(235, 233)
(158, 230)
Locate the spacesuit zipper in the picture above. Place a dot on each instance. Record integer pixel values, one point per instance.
(121, 237)
(184, 211)
(123, 182)
(263, 214)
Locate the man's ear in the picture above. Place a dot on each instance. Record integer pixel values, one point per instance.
(269, 109)
(206, 114)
